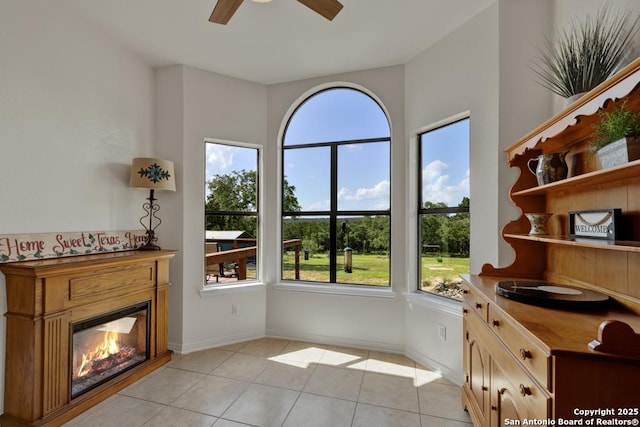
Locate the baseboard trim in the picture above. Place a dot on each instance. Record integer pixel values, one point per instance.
(337, 341)
(429, 363)
(212, 343)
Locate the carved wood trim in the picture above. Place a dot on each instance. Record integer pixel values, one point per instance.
(615, 88)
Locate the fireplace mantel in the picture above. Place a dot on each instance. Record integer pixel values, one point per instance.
(45, 298)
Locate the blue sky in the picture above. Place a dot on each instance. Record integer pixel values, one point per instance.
(445, 164)
(363, 170)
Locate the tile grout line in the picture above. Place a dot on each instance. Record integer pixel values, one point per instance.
(417, 381)
(315, 367)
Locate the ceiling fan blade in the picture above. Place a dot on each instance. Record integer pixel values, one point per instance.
(327, 8)
(224, 10)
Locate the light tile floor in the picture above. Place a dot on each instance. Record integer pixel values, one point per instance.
(275, 382)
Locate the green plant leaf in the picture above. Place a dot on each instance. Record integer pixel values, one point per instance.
(587, 53)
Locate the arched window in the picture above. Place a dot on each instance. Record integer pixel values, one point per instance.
(336, 204)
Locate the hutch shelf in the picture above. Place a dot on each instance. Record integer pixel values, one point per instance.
(526, 363)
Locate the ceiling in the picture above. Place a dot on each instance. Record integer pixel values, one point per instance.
(278, 41)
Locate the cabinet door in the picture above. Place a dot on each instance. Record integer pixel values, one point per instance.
(515, 396)
(506, 403)
(476, 360)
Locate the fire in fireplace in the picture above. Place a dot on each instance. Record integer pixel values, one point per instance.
(108, 345)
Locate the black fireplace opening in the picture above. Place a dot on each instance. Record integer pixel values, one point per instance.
(108, 345)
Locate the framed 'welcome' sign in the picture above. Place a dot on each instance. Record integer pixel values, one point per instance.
(595, 224)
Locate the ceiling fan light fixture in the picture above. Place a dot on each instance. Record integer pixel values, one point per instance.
(224, 9)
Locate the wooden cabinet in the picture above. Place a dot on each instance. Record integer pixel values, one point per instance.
(524, 362)
(477, 364)
(536, 363)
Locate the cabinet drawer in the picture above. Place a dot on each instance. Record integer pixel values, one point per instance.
(522, 348)
(476, 302)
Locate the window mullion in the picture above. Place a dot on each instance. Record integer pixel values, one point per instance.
(333, 219)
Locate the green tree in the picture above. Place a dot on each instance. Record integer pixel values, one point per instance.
(459, 230)
(237, 192)
(434, 226)
(449, 231)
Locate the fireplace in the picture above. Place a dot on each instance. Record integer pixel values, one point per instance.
(80, 329)
(106, 346)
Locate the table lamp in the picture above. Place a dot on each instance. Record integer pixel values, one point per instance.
(154, 174)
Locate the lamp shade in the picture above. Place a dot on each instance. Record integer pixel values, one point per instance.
(152, 173)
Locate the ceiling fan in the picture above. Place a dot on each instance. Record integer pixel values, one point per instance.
(224, 9)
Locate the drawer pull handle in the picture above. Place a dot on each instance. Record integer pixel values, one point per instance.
(525, 391)
(494, 408)
(478, 305)
(495, 323)
(465, 311)
(525, 354)
(464, 291)
(485, 388)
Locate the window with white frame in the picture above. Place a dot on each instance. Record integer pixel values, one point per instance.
(443, 209)
(231, 212)
(336, 205)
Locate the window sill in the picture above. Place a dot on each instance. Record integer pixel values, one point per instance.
(363, 291)
(430, 301)
(216, 290)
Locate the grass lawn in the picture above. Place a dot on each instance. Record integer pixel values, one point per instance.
(372, 269)
(366, 269)
(450, 267)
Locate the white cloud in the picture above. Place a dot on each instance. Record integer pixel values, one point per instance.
(219, 159)
(378, 191)
(376, 197)
(436, 187)
(323, 205)
(354, 148)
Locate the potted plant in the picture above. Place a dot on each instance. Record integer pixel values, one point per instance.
(587, 53)
(617, 136)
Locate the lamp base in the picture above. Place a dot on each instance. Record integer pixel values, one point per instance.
(151, 209)
(148, 247)
(150, 244)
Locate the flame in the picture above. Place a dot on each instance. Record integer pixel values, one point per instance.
(108, 347)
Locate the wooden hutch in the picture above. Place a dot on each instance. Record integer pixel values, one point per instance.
(526, 364)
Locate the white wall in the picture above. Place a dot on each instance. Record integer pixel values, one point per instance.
(192, 105)
(74, 110)
(460, 73)
(522, 104)
(169, 130)
(329, 318)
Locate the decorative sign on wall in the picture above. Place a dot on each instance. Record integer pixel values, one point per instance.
(595, 224)
(22, 247)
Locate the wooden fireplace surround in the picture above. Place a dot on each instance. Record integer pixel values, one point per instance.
(45, 298)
